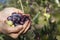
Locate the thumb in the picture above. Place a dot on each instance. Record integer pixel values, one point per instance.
(14, 29)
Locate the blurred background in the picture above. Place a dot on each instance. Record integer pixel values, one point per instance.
(45, 17)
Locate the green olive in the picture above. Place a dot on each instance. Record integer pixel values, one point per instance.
(9, 23)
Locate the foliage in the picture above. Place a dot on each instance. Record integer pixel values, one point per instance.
(45, 19)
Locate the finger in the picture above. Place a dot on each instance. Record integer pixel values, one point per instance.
(15, 29)
(7, 29)
(27, 28)
(27, 14)
(14, 35)
(24, 26)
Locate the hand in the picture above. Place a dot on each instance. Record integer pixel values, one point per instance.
(16, 31)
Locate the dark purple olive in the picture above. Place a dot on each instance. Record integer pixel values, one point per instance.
(13, 13)
(16, 24)
(10, 18)
(25, 18)
(18, 19)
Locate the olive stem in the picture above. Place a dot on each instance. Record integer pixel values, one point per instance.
(21, 5)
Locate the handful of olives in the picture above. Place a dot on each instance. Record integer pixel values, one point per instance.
(17, 19)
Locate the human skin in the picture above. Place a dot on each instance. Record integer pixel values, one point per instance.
(6, 29)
